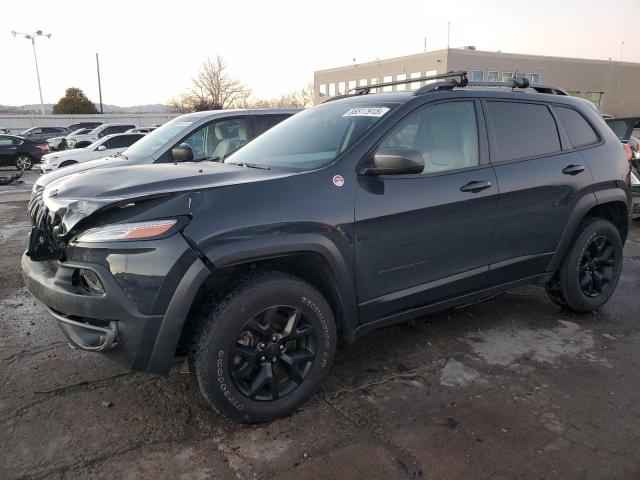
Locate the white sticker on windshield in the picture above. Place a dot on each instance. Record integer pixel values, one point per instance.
(366, 112)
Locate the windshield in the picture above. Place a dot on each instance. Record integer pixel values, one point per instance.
(312, 138)
(80, 131)
(150, 143)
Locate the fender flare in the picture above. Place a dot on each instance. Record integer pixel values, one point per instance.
(582, 207)
(255, 249)
(166, 342)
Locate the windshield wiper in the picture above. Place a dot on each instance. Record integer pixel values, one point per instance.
(252, 165)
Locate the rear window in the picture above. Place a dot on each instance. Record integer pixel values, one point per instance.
(580, 132)
(523, 130)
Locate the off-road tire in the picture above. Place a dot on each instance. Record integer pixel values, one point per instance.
(222, 319)
(565, 289)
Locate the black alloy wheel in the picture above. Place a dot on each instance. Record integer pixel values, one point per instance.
(273, 353)
(596, 266)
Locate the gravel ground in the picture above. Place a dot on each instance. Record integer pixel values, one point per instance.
(510, 388)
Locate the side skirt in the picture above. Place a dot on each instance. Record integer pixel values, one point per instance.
(466, 299)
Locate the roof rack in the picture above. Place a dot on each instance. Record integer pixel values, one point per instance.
(453, 79)
(364, 89)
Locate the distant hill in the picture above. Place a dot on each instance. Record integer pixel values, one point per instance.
(151, 108)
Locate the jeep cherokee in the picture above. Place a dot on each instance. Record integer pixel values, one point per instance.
(353, 215)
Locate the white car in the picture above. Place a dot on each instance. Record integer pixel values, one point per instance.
(106, 146)
(81, 141)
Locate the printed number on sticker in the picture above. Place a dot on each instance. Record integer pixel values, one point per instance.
(366, 112)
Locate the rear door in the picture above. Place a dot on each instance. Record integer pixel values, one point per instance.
(426, 237)
(541, 176)
(7, 150)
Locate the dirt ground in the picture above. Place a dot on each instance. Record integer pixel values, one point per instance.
(510, 388)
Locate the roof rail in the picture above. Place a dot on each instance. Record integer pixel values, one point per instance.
(521, 82)
(364, 89)
(453, 79)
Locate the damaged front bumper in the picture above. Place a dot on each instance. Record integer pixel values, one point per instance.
(109, 322)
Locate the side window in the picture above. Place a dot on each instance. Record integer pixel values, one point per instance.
(580, 132)
(6, 142)
(523, 130)
(122, 141)
(218, 139)
(262, 123)
(445, 134)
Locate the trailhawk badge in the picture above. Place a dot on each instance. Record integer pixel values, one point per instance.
(338, 181)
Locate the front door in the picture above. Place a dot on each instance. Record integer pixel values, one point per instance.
(426, 237)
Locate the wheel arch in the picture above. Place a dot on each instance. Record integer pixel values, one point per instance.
(610, 204)
(313, 262)
(66, 163)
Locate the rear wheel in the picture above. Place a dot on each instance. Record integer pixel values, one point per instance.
(23, 162)
(262, 350)
(591, 269)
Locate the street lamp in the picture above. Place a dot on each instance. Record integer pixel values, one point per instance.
(32, 37)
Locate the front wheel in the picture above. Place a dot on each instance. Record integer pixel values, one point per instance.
(591, 269)
(23, 162)
(262, 350)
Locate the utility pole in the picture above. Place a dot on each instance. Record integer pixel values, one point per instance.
(99, 84)
(32, 37)
(621, 45)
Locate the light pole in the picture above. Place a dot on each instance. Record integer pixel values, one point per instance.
(32, 37)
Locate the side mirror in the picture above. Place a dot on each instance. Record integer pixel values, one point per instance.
(101, 148)
(395, 161)
(182, 153)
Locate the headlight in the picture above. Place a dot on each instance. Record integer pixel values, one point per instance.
(634, 180)
(127, 231)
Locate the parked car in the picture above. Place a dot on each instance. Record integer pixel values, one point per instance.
(106, 146)
(141, 130)
(209, 135)
(60, 143)
(42, 134)
(4, 131)
(350, 216)
(624, 127)
(89, 125)
(81, 141)
(20, 152)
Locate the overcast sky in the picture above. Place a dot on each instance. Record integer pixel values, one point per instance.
(149, 50)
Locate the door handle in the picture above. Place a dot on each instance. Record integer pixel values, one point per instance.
(573, 169)
(475, 186)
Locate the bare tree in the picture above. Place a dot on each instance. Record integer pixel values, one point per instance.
(216, 85)
(212, 89)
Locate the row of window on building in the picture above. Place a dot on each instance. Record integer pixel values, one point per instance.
(341, 88)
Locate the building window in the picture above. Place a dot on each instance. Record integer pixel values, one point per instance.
(507, 76)
(535, 78)
(332, 89)
(492, 76)
(595, 98)
(402, 77)
(374, 81)
(323, 90)
(415, 85)
(363, 82)
(385, 79)
(477, 75)
(341, 88)
(352, 84)
(430, 73)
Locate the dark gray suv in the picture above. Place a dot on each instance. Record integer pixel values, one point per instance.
(356, 214)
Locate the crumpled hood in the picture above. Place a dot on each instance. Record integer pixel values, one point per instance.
(75, 197)
(106, 162)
